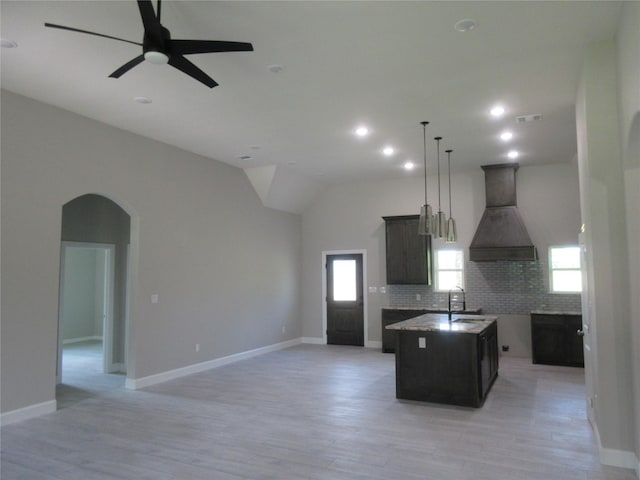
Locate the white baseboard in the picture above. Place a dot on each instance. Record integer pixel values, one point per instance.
(136, 383)
(373, 344)
(313, 340)
(26, 413)
(619, 458)
(82, 339)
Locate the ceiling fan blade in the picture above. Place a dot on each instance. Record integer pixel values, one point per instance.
(186, 47)
(62, 27)
(152, 27)
(185, 66)
(127, 66)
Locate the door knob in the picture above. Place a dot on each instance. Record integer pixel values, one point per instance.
(580, 333)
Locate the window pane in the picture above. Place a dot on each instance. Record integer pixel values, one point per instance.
(565, 257)
(450, 259)
(449, 279)
(344, 280)
(567, 281)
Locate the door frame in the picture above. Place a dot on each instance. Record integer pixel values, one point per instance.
(107, 325)
(365, 310)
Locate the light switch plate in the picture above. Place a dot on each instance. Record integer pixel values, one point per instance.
(154, 298)
(373, 289)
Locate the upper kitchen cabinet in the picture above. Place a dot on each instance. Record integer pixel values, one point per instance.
(408, 254)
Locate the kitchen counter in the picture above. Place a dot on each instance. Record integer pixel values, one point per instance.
(391, 315)
(446, 362)
(435, 322)
(555, 312)
(471, 311)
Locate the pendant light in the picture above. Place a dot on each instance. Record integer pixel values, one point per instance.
(425, 224)
(441, 218)
(452, 235)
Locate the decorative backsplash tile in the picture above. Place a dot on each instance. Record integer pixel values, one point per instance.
(496, 287)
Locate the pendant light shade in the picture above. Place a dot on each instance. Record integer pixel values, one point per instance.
(440, 219)
(425, 224)
(452, 234)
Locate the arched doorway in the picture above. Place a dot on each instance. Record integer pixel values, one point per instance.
(93, 305)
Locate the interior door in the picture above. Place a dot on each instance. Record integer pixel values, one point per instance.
(345, 312)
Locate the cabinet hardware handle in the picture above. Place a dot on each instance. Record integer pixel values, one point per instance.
(580, 333)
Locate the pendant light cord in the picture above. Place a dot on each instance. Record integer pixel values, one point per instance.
(449, 165)
(437, 139)
(424, 150)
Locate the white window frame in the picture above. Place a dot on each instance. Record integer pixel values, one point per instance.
(438, 269)
(551, 269)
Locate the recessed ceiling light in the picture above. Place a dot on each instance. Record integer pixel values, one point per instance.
(275, 68)
(6, 43)
(388, 151)
(409, 165)
(465, 25)
(506, 136)
(362, 131)
(254, 147)
(513, 154)
(244, 156)
(142, 100)
(497, 111)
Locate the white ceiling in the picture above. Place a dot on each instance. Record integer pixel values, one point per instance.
(387, 64)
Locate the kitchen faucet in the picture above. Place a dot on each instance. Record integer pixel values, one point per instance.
(464, 303)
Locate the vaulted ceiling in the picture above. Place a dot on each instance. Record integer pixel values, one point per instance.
(385, 64)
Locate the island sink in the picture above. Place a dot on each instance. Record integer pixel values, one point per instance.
(453, 362)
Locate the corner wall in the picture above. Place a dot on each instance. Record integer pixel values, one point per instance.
(629, 106)
(606, 213)
(226, 269)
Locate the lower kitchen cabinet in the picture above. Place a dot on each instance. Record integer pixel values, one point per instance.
(556, 339)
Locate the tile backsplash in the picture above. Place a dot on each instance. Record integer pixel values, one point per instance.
(496, 287)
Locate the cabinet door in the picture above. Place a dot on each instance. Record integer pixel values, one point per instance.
(396, 252)
(575, 348)
(415, 257)
(408, 254)
(548, 339)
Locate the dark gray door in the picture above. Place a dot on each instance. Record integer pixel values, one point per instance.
(345, 315)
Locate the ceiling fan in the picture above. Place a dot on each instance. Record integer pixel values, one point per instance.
(158, 47)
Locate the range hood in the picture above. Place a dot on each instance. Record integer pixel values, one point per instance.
(501, 234)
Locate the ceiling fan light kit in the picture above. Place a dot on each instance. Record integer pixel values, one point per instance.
(158, 47)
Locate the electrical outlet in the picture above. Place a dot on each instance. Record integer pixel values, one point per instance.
(422, 342)
(197, 347)
(418, 296)
(284, 329)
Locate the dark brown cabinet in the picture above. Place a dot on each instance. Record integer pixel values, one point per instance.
(408, 254)
(556, 339)
(446, 367)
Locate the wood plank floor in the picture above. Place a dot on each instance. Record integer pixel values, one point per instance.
(312, 412)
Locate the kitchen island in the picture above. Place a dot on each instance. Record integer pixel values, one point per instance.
(446, 361)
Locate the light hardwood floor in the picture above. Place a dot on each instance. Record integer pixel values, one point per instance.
(312, 412)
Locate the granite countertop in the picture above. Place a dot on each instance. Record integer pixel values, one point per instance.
(433, 309)
(555, 312)
(432, 322)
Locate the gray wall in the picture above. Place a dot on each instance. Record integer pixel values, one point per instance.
(81, 316)
(349, 216)
(226, 269)
(608, 115)
(95, 219)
